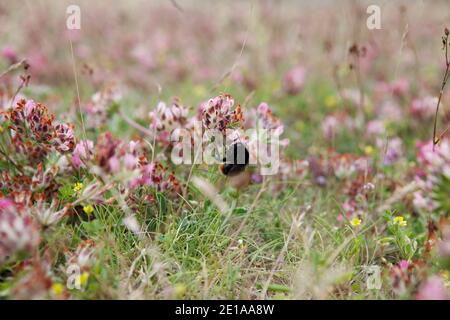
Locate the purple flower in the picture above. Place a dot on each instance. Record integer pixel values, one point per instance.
(394, 150)
(257, 178)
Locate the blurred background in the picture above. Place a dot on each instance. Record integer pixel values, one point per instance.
(194, 50)
(143, 42)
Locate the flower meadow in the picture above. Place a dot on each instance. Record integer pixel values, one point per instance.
(351, 201)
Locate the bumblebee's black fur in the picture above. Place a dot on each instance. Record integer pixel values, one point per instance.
(236, 159)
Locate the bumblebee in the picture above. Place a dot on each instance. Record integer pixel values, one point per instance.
(236, 160)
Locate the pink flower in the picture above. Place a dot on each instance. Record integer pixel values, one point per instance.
(157, 176)
(268, 120)
(100, 104)
(36, 282)
(375, 128)
(144, 57)
(9, 53)
(432, 289)
(391, 111)
(330, 127)
(6, 204)
(17, 232)
(263, 108)
(400, 87)
(82, 152)
(421, 202)
(105, 150)
(37, 61)
(294, 80)
(434, 166)
(430, 157)
(64, 139)
(423, 108)
(133, 146)
(84, 148)
(394, 150)
(85, 256)
(34, 133)
(370, 56)
(30, 105)
(130, 161)
(166, 118)
(349, 207)
(219, 113)
(76, 162)
(403, 264)
(114, 164)
(72, 34)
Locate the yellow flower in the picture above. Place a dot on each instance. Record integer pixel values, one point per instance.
(179, 290)
(445, 275)
(88, 209)
(400, 221)
(368, 150)
(57, 289)
(330, 102)
(83, 278)
(1, 129)
(355, 222)
(77, 187)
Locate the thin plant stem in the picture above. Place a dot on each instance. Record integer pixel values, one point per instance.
(441, 92)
